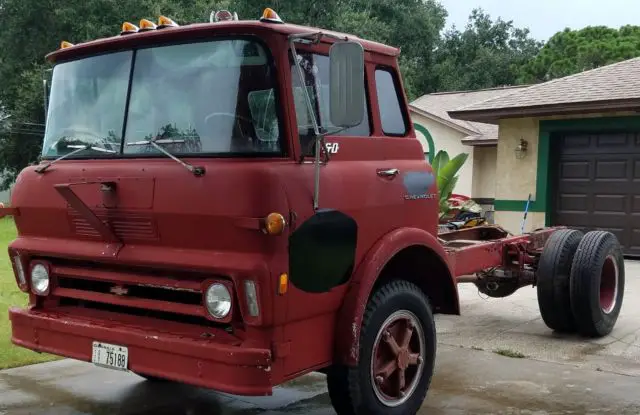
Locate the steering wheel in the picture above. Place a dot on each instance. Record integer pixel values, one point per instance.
(74, 132)
(235, 117)
(81, 130)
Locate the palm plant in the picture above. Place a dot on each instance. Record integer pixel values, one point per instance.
(446, 170)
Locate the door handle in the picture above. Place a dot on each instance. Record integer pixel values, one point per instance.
(388, 173)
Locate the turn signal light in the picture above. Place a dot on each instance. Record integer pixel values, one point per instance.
(274, 224)
(283, 284)
(129, 28)
(269, 15)
(64, 44)
(18, 268)
(146, 25)
(164, 21)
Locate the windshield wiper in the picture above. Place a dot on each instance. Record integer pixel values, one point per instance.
(78, 149)
(196, 170)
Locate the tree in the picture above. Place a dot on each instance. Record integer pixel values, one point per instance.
(485, 54)
(33, 28)
(573, 51)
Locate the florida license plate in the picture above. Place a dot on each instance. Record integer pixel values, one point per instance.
(110, 356)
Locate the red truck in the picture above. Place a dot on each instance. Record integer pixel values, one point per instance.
(235, 204)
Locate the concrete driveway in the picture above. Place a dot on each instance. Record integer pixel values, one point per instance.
(557, 375)
(514, 323)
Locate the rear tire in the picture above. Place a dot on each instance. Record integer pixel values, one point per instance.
(398, 314)
(553, 275)
(597, 283)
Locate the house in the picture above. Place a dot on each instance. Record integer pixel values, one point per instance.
(438, 131)
(572, 143)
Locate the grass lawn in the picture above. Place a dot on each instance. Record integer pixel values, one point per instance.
(10, 295)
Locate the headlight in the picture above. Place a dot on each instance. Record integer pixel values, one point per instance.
(40, 279)
(218, 301)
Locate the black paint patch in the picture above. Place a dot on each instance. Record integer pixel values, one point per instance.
(418, 183)
(322, 251)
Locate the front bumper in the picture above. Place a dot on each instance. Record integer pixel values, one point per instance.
(174, 351)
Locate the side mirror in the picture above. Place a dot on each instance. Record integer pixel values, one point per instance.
(346, 84)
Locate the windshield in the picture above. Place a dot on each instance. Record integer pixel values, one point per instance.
(208, 98)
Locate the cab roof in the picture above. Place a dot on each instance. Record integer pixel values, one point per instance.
(201, 31)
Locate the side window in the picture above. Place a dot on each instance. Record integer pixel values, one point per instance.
(315, 69)
(391, 117)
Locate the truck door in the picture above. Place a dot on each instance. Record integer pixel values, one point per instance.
(361, 198)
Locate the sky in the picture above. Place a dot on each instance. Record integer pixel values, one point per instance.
(546, 17)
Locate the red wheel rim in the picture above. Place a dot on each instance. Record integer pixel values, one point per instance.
(609, 285)
(397, 359)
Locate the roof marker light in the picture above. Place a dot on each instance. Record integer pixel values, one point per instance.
(164, 21)
(64, 44)
(128, 28)
(146, 25)
(269, 15)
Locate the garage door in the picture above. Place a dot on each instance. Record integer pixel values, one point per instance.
(598, 184)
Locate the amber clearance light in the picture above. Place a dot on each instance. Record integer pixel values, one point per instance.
(274, 224)
(128, 28)
(64, 44)
(270, 15)
(164, 21)
(146, 25)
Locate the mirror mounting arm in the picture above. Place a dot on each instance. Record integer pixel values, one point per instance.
(316, 128)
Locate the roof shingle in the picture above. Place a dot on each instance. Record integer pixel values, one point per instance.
(618, 81)
(440, 103)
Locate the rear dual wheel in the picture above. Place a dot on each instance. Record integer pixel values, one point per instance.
(397, 354)
(597, 284)
(581, 282)
(554, 273)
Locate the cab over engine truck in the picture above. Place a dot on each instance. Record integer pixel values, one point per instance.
(234, 204)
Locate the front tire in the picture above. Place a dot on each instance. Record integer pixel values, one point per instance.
(397, 356)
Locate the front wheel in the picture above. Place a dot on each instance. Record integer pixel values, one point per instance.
(397, 356)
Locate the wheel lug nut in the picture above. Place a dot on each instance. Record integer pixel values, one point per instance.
(379, 380)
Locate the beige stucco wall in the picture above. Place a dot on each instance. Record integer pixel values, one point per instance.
(448, 139)
(515, 178)
(512, 221)
(484, 172)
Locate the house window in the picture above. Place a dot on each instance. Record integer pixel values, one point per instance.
(391, 116)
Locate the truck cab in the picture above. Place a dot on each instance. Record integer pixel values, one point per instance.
(234, 204)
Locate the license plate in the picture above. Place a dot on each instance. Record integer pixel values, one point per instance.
(110, 356)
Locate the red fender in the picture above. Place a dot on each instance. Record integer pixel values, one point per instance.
(352, 312)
